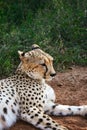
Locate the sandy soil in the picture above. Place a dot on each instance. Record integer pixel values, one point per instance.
(71, 89)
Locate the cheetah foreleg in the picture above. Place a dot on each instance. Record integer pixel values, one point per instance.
(64, 110)
(40, 120)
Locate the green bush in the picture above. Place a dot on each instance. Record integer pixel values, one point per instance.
(58, 26)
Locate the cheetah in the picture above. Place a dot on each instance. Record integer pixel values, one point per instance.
(27, 96)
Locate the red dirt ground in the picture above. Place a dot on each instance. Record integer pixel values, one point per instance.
(71, 89)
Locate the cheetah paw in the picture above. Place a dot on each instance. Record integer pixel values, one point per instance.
(62, 128)
(84, 113)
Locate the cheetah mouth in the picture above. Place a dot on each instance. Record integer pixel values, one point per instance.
(49, 78)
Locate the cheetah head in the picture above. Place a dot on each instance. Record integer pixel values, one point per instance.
(37, 64)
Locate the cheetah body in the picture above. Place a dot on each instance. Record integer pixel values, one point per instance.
(26, 95)
(19, 93)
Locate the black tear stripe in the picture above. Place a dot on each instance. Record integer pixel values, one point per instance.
(45, 71)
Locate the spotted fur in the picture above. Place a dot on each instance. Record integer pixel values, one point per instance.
(26, 96)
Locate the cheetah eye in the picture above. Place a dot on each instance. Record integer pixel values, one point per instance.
(43, 64)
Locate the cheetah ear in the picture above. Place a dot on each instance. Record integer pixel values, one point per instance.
(35, 46)
(21, 53)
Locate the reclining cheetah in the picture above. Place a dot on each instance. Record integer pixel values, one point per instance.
(26, 95)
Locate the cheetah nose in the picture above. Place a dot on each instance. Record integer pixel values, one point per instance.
(53, 74)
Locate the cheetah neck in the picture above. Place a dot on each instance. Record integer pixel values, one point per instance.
(23, 77)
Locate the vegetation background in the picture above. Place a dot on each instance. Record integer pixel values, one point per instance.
(58, 26)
